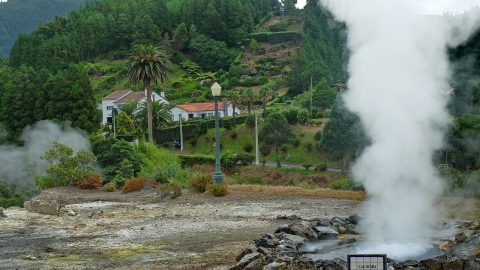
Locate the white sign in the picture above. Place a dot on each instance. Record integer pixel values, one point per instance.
(367, 262)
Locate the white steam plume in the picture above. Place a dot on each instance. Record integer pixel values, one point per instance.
(19, 165)
(399, 73)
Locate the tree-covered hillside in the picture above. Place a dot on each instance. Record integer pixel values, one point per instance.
(22, 16)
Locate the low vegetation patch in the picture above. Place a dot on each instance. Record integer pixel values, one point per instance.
(93, 181)
(199, 183)
(283, 191)
(133, 184)
(110, 187)
(217, 190)
(172, 190)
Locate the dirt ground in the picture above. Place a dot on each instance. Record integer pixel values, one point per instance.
(98, 230)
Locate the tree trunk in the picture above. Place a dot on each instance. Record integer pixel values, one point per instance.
(278, 158)
(149, 111)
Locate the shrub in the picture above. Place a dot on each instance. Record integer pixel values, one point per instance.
(133, 184)
(309, 146)
(321, 167)
(199, 183)
(234, 135)
(248, 147)
(202, 169)
(171, 189)
(316, 122)
(91, 182)
(284, 148)
(8, 198)
(160, 164)
(302, 116)
(229, 162)
(265, 150)
(245, 159)
(190, 160)
(109, 187)
(217, 190)
(342, 184)
(65, 167)
(290, 182)
(296, 142)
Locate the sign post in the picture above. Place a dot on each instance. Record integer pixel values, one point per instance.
(364, 262)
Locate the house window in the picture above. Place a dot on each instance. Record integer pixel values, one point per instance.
(109, 120)
(203, 115)
(190, 115)
(109, 108)
(210, 114)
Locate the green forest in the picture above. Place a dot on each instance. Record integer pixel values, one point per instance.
(265, 53)
(23, 16)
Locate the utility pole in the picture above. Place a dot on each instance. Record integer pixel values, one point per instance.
(181, 132)
(257, 152)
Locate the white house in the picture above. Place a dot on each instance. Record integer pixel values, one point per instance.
(117, 99)
(202, 110)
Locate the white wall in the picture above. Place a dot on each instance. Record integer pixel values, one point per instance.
(105, 112)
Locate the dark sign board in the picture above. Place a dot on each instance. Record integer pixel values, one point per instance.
(367, 262)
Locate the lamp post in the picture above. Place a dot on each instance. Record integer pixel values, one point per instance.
(257, 152)
(218, 176)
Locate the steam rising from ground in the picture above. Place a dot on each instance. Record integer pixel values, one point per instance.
(19, 165)
(399, 73)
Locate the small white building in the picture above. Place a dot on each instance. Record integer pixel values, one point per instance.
(203, 110)
(117, 99)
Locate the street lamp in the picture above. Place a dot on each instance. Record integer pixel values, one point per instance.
(218, 176)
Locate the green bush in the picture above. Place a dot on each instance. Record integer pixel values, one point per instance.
(245, 159)
(229, 162)
(217, 190)
(302, 116)
(234, 135)
(296, 142)
(190, 160)
(170, 189)
(65, 167)
(345, 184)
(9, 198)
(248, 147)
(160, 164)
(109, 187)
(316, 122)
(199, 183)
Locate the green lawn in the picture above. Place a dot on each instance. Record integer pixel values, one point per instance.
(203, 145)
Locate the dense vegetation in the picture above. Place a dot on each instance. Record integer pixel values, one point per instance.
(22, 16)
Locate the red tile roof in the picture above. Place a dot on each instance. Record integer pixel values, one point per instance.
(117, 94)
(199, 107)
(133, 96)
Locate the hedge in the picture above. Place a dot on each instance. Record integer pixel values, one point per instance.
(190, 160)
(277, 37)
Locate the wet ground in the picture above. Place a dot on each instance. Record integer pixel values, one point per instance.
(98, 230)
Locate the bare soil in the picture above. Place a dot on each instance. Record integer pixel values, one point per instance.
(136, 231)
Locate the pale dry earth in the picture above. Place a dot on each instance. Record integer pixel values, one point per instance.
(136, 231)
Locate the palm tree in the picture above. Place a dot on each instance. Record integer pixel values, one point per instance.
(130, 109)
(148, 64)
(248, 97)
(266, 92)
(234, 97)
(160, 115)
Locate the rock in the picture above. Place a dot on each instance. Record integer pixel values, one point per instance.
(294, 239)
(251, 248)
(268, 241)
(42, 207)
(2, 215)
(446, 246)
(453, 264)
(354, 219)
(340, 229)
(461, 237)
(336, 264)
(302, 263)
(256, 264)
(473, 265)
(303, 229)
(246, 260)
(276, 266)
(435, 263)
(325, 232)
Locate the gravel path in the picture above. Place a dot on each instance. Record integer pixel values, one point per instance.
(131, 231)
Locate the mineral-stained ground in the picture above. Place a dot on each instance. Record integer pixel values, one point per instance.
(99, 230)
